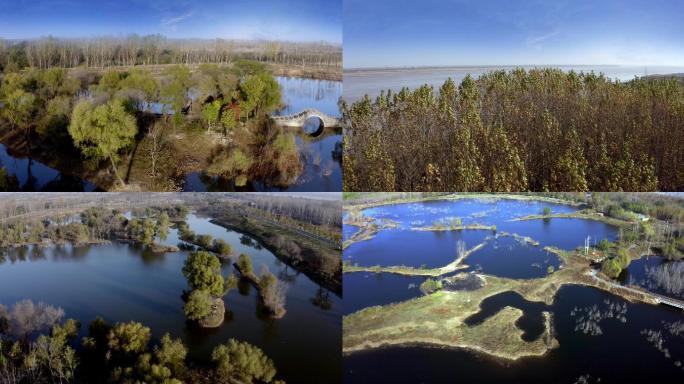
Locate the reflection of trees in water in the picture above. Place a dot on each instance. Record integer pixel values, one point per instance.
(588, 319)
(322, 299)
(670, 335)
(286, 274)
(244, 287)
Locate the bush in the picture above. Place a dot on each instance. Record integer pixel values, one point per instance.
(429, 286)
(198, 305)
(241, 361)
(603, 245)
(245, 264)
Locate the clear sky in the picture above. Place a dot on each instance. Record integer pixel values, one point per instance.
(293, 20)
(396, 33)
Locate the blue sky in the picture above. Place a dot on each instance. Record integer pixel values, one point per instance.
(395, 33)
(294, 20)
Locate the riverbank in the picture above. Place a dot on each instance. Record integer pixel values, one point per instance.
(311, 250)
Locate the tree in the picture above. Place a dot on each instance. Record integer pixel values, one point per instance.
(242, 361)
(245, 264)
(203, 271)
(604, 245)
(211, 113)
(163, 226)
(102, 131)
(228, 120)
(175, 91)
(611, 267)
(18, 109)
(198, 305)
(128, 338)
(171, 354)
(222, 247)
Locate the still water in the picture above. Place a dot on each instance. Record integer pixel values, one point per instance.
(33, 175)
(121, 282)
(621, 354)
(357, 83)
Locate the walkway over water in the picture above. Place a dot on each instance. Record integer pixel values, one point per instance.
(297, 120)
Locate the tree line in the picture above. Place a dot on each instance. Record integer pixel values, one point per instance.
(133, 50)
(537, 130)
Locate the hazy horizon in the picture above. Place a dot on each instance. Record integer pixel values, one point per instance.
(274, 20)
(449, 33)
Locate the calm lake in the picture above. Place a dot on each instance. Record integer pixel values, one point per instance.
(121, 282)
(320, 155)
(358, 82)
(617, 353)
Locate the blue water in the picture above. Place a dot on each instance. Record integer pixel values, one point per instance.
(363, 289)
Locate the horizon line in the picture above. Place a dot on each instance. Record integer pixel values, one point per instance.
(504, 65)
(168, 38)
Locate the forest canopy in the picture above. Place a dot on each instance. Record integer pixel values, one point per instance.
(537, 130)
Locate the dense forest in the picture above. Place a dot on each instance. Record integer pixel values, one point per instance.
(156, 49)
(537, 130)
(145, 130)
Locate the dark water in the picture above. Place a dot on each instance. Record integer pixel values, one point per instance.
(322, 163)
(121, 282)
(559, 232)
(531, 322)
(412, 248)
(636, 274)
(33, 175)
(362, 290)
(509, 257)
(357, 83)
(620, 355)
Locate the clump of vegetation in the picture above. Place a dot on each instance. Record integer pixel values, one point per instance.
(613, 266)
(123, 353)
(273, 292)
(534, 130)
(430, 286)
(208, 286)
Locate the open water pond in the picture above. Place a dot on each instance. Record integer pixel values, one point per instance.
(656, 274)
(121, 282)
(363, 289)
(622, 353)
(506, 256)
(430, 249)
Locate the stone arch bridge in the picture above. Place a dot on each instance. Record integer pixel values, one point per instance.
(297, 120)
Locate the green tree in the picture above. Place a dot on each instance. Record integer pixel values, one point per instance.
(211, 113)
(19, 108)
(243, 362)
(221, 247)
(128, 338)
(175, 91)
(163, 224)
(245, 264)
(102, 131)
(198, 305)
(203, 271)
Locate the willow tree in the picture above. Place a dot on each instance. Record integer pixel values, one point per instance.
(102, 131)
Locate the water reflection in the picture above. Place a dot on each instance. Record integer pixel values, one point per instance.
(32, 175)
